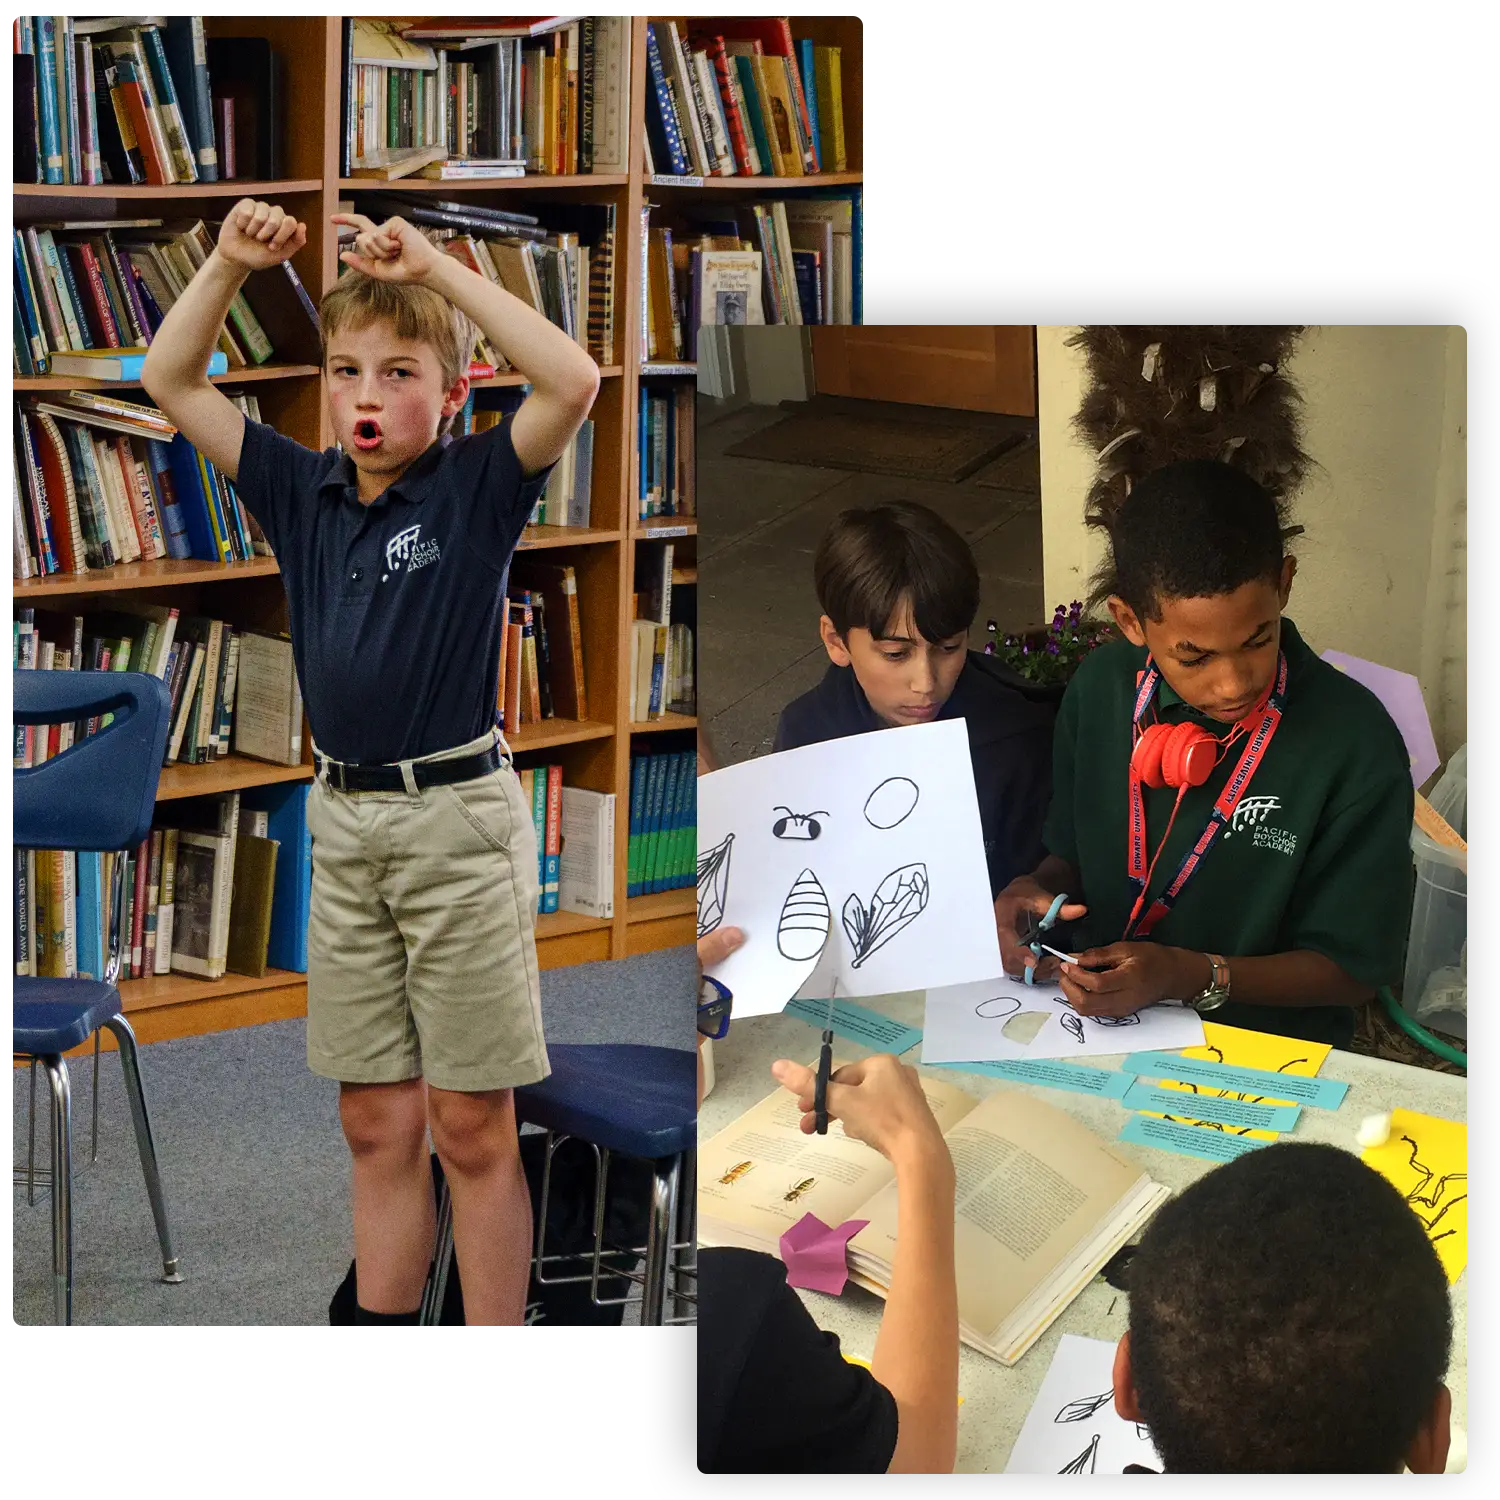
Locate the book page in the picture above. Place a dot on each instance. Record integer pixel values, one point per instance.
(1032, 1183)
(760, 1174)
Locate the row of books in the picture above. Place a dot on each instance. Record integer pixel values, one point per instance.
(664, 611)
(568, 497)
(666, 427)
(787, 260)
(101, 481)
(215, 887)
(153, 100)
(565, 272)
(482, 99)
(661, 850)
(738, 97)
(101, 288)
(541, 648)
(230, 688)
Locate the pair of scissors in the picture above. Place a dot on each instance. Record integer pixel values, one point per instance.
(1032, 929)
(825, 1067)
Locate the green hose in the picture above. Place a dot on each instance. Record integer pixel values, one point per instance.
(1421, 1034)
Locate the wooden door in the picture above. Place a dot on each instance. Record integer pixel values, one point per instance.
(970, 368)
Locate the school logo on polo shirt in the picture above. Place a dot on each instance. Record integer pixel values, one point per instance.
(1250, 816)
(406, 547)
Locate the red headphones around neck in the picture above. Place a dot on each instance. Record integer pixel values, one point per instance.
(1175, 755)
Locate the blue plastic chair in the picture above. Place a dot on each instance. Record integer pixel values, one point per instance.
(99, 795)
(635, 1101)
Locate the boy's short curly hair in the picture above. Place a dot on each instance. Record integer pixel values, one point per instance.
(412, 311)
(1287, 1314)
(870, 561)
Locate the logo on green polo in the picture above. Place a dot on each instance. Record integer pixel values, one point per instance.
(1250, 817)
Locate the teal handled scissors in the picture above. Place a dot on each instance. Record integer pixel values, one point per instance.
(1032, 929)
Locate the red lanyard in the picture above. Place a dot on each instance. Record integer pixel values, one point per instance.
(1223, 809)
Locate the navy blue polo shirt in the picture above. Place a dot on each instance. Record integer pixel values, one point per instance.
(395, 605)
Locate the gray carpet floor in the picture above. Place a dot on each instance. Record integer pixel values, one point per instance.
(254, 1166)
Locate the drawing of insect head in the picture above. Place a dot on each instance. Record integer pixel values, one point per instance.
(803, 826)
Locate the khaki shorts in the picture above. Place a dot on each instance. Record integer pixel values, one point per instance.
(421, 947)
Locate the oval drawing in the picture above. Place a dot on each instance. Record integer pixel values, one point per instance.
(805, 919)
(891, 802)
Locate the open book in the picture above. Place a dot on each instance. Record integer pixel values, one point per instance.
(1042, 1202)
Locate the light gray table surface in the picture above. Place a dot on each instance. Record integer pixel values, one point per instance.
(996, 1399)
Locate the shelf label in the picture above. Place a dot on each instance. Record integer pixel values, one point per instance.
(661, 180)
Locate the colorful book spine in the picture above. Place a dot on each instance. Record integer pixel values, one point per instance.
(635, 833)
(539, 821)
(660, 110)
(552, 853)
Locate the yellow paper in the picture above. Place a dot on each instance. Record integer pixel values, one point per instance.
(1238, 1048)
(854, 1359)
(1428, 1160)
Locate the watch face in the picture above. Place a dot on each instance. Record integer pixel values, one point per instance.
(1211, 1001)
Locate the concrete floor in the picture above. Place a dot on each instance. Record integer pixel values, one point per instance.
(759, 524)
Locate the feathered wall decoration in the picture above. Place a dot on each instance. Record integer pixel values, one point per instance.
(1160, 394)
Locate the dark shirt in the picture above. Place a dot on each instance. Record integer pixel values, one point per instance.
(395, 606)
(1010, 745)
(1317, 857)
(775, 1396)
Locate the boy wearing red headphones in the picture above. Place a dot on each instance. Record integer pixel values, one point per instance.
(1230, 814)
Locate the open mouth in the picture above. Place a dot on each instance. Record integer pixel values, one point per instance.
(367, 433)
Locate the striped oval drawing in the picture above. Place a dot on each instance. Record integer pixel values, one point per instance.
(805, 919)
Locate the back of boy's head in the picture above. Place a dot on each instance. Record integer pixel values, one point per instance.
(411, 311)
(1192, 530)
(1287, 1314)
(871, 562)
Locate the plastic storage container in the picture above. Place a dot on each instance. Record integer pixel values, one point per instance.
(1436, 987)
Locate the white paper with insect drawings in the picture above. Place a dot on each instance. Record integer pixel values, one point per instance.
(1072, 1427)
(966, 1023)
(884, 829)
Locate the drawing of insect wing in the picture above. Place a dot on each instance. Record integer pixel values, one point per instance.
(1084, 1463)
(713, 884)
(1084, 1407)
(1073, 1024)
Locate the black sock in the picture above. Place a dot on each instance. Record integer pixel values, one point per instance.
(363, 1315)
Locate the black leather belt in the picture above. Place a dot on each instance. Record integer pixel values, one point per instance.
(343, 777)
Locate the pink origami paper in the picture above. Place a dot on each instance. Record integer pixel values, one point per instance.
(1401, 695)
(816, 1256)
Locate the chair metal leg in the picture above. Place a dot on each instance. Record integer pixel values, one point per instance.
(665, 1178)
(31, 1140)
(62, 1190)
(94, 1106)
(130, 1062)
(685, 1256)
(437, 1284)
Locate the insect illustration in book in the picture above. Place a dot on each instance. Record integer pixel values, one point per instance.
(713, 884)
(892, 802)
(805, 919)
(738, 1170)
(1435, 1197)
(798, 1189)
(1192, 1088)
(899, 900)
(797, 825)
(1084, 1463)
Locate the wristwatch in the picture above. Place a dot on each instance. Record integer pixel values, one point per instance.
(1218, 988)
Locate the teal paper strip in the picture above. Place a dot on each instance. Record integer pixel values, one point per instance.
(1074, 1077)
(1320, 1093)
(1187, 1140)
(1241, 1113)
(868, 1027)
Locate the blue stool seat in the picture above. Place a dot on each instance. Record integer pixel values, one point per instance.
(52, 1016)
(639, 1101)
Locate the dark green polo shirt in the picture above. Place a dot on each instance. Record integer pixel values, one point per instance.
(1317, 858)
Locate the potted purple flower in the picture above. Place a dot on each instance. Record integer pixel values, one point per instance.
(1049, 657)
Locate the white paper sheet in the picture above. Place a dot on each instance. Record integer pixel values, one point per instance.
(1072, 1427)
(966, 1023)
(887, 825)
